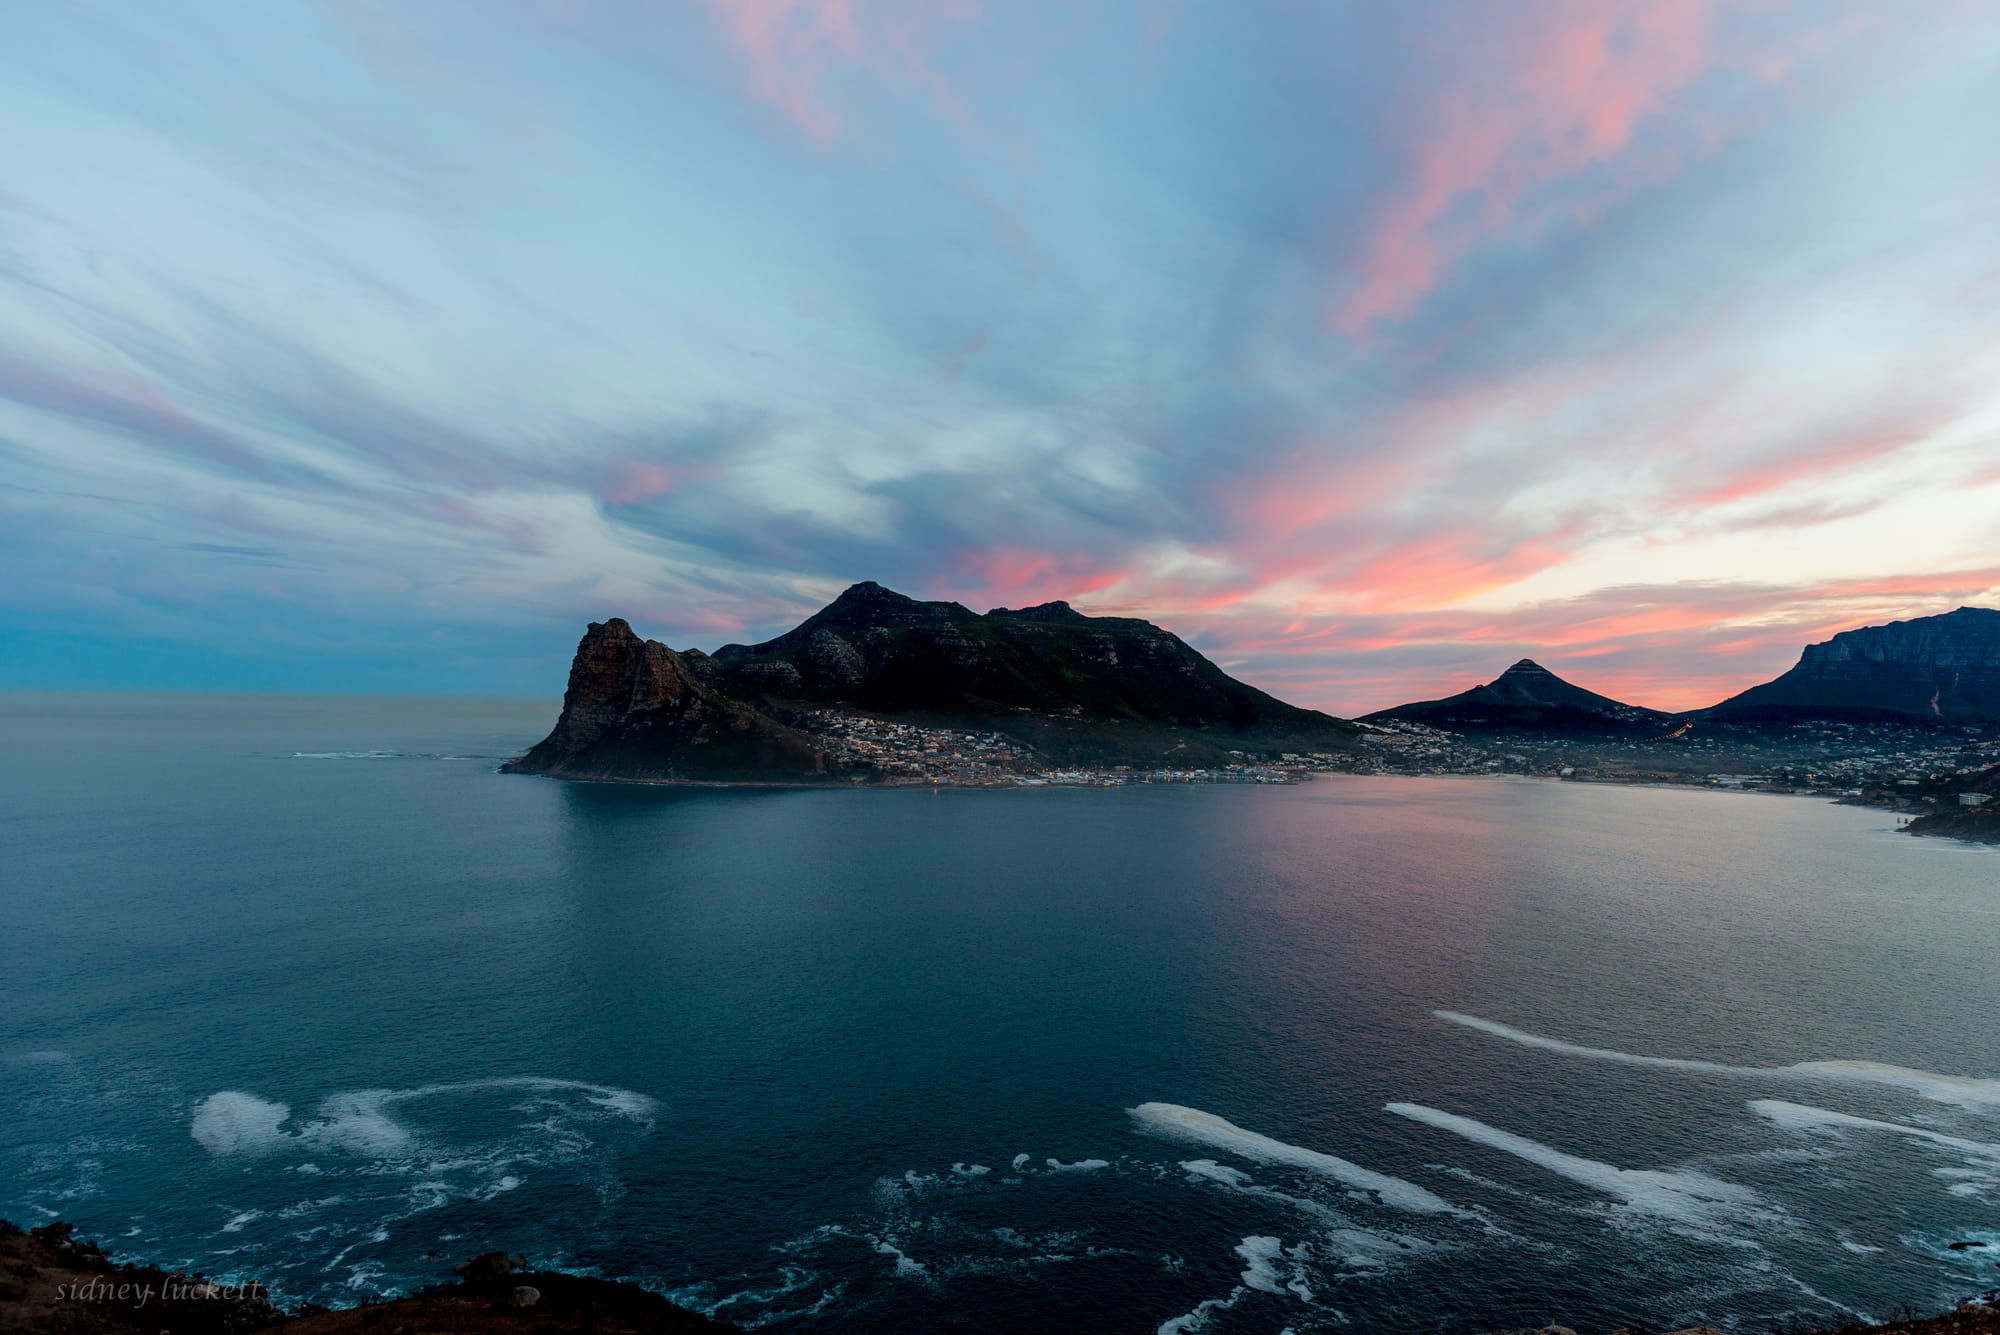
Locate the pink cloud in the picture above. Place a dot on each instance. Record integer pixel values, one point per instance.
(1674, 647)
(1824, 455)
(642, 481)
(794, 51)
(1569, 91)
(118, 399)
(1570, 107)
(787, 46)
(1020, 577)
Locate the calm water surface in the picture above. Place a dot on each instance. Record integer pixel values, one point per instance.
(304, 990)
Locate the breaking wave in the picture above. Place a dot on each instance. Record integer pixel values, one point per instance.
(1192, 1124)
(1800, 1117)
(1681, 1195)
(360, 1122)
(1963, 1091)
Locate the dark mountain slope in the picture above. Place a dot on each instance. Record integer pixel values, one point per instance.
(1529, 697)
(1071, 688)
(634, 711)
(1942, 668)
(878, 650)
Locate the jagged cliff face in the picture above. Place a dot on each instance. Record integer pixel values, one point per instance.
(1529, 697)
(634, 710)
(878, 650)
(1943, 668)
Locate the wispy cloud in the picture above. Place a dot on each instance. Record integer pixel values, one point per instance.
(1368, 347)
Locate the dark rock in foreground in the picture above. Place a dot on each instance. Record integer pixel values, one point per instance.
(50, 1282)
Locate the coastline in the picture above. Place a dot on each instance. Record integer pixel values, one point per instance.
(1985, 835)
(51, 1281)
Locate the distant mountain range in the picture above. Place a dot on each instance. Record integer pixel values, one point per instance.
(1529, 697)
(1048, 685)
(1940, 668)
(1935, 669)
(1060, 686)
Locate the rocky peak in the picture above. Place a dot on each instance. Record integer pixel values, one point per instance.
(1057, 611)
(614, 675)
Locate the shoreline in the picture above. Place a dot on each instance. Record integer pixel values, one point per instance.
(1293, 779)
(51, 1280)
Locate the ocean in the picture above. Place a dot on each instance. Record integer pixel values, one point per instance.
(303, 990)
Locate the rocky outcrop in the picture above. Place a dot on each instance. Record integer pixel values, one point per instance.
(1527, 697)
(51, 1282)
(1070, 688)
(634, 710)
(1942, 669)
(1960, 814)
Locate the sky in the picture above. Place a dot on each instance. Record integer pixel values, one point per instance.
(378, 345)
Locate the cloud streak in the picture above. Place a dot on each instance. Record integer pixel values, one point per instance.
(1366, 347)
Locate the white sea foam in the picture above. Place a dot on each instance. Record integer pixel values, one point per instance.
(1964, 1091)
(1215, 1172)
(1683, 1195)
(1080, 1166)
(1260, 1257)
(236, 1222)
(1355, 1248)
(1021, 1161)
(232, 1122)
(1192, 1124)
(1190, 1322)
(905, 1264)
(303, 1208)
(1800, 1117)
(360, 1121)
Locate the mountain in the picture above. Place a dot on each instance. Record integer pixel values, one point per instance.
(633, 710)
(1527, 697)
(1936, 668)
(1050, 681)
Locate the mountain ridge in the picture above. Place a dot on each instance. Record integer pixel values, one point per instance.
(1048, 679)
(1940, 668)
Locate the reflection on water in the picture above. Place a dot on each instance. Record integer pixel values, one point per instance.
(297, 991)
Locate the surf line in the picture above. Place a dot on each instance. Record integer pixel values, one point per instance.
(1961, 1091)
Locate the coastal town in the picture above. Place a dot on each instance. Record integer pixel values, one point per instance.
(910, 753)
(1904, 767)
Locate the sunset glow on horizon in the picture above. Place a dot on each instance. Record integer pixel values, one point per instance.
(1368, 347)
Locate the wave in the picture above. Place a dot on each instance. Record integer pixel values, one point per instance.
(1689, 1197)
(1800, 1117)
(1080, 1166)
(232, 1122)
(1192, 1124)
(1962, 1091)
